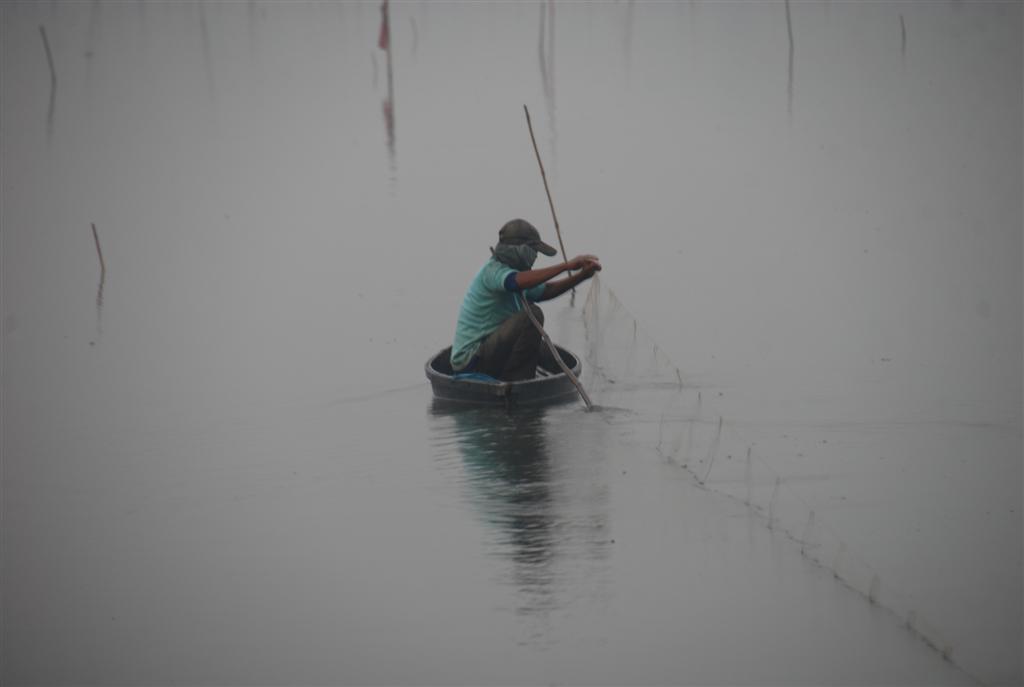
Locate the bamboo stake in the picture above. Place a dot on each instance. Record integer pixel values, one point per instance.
(903, 35)
(53, 81)
(96, 238)
(99, 288)
(544, 176)
(554, 352)
(49, 56)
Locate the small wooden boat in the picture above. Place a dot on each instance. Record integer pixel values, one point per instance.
(549, 385)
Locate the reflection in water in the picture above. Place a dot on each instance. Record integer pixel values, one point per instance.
(627, 40)
(53, 83)
(548, 520)
(788, 28)
(384, 43)
(90, 46)
(103, 279)
(903, 37)
(508, 465)
(546, 52)
(789, 90)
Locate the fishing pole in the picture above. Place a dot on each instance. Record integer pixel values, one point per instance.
(554, 352)
(551, 203)
(526, 305)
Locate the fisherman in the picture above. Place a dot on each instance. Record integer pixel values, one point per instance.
(494, 335)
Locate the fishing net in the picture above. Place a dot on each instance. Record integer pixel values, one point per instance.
(635, 384)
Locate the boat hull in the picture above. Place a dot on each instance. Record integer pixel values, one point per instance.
(553, 388)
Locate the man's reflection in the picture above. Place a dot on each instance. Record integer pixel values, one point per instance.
(508, 468)
(536, 477)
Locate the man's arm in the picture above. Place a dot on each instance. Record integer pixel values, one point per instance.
(557, 288)
(531, 278)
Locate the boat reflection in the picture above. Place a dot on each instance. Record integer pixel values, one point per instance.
(544, 504)
(508, 469)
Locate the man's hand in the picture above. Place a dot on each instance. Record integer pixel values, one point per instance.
(581, 261)
(585, 266)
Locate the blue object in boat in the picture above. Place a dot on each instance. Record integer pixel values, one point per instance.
(476, 377)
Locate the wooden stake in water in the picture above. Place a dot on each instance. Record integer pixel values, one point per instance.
(49, 56)
(554, 352)
(53, 81)
(903, 37)
(96, 238)
(103, 279)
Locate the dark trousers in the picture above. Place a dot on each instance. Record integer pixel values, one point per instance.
(512, 351)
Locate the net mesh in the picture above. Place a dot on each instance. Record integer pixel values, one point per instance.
(629, 377)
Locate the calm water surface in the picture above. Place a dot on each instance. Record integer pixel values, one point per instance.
(222, 462)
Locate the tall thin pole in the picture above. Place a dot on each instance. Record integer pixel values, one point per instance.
(103, 279)
(544, 176)
(554, 352)
(53, 81)
(526, 305)
(96, 238)
(49, 56)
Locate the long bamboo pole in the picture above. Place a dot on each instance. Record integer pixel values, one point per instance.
(544, 176)
(554, 352)
(558, 233)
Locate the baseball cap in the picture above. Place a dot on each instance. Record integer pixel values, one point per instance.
(519, 232)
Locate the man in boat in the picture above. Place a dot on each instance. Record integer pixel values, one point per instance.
(494, 335)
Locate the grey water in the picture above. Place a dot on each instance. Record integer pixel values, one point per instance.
(221, 460)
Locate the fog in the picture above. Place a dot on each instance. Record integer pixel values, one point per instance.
(221, 462)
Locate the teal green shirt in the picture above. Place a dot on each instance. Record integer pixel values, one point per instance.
(487, 304)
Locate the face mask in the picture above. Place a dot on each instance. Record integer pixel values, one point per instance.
(519, 257)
